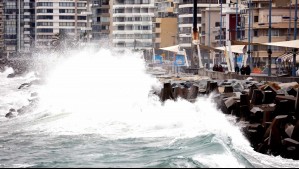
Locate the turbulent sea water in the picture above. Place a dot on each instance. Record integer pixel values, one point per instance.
(96, 110)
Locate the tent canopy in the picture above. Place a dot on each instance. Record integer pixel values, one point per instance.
(175, 48)
(235, 48)
(287, 44)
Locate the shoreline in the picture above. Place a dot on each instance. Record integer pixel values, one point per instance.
(269, 110)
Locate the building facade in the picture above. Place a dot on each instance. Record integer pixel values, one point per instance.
(19, 26)
(282, 28)
(71, 17)
(165, 24)
(1, 29)
(100, 20)
(132, 24)
(185, 20)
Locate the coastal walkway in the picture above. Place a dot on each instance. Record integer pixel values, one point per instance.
(232, 75)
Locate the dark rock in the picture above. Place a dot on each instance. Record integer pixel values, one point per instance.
(193, 92)
(228, 89)
(9, 115)
(269, 97)
(292, 92)
(12, 75)
(213, 88)
(34, 94)
(166, 92)
(25, 85)
(257, 97)
(251, 89)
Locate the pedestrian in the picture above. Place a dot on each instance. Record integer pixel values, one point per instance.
(242, 70)
(247, 70)
(220, 68)
(237, 69)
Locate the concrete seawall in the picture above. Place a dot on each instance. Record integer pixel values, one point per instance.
(232, 75)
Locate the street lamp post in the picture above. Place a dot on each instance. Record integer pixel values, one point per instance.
(249, 33)
(290, 13)
(237, 4)
(295, 37)
(220, 42)
(19, 26)
(173, 36)
(269, 38)
(209, 37)
(195, 36)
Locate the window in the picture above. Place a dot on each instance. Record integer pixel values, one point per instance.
(10, 30)
(81, 4)
(105, 19)
(45, 4)
(255, 33)
(67, 30)
(66, 11)
(217, 24)
(44, 17)
(44, 10)
(276, 19)
(256, 18)
(81, 17)
(81, 24)
(66, 17)
(45, 30)
(44, 23)
(100, 11)
(66, 4)
(79, 11)
(66, 24)
(274, 32)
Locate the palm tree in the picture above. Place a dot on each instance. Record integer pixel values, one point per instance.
(62, 41)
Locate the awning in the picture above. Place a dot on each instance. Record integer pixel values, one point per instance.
(285, 57)
(287, 44)
(175, 48)
(235, 48)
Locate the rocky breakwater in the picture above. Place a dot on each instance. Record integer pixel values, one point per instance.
(33, 100)
(268, 111)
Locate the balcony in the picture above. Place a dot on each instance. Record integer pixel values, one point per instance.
(86, 29)
(157, 30)
(158, 20)
(27, 39)
(26, 32)
(86, 13)
(170, 9)
(27, 20)
(157, 40)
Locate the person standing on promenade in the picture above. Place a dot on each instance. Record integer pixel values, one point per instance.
(243, 70)
(237, 69)
(220, 68)
(247, 70)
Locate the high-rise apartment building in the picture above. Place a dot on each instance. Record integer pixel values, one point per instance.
(185, 16)
(165, 23)
(19, 24)
(1, 29)
(72, 17)
(282, 27)
(132, 25)
(100, 20)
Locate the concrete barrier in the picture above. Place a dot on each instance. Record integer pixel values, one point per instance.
(232, 75)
